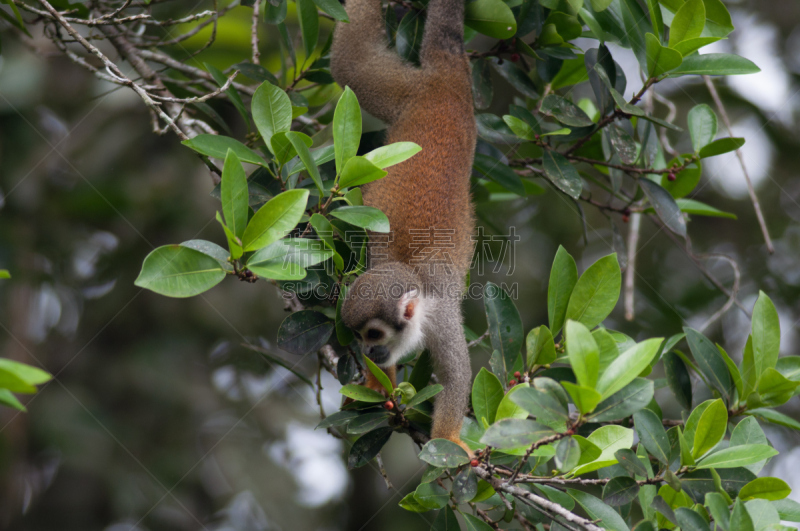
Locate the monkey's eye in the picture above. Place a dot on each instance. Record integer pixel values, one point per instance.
(374, 334)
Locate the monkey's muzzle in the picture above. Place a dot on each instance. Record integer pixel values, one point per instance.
(379, 354)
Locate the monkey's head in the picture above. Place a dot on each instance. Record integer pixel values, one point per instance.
(385, 308)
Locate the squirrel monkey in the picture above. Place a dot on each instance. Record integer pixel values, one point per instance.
(411, 295)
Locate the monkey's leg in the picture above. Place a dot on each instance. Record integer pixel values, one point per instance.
(361, 59)
(452, 367)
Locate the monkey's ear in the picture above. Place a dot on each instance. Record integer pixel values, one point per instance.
(408, 303)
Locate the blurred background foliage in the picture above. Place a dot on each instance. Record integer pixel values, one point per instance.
(158, 418)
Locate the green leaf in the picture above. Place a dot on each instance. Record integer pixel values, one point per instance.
(766, 330)
(718, 507)
(234, 194)
(678, 379)
(788, 509)
(287, 259)
(431, 495)
(8, 399)
(217, 146)
(320, 156)
(231, 91)
(596, 292)
(520, 127)
(361, 393)
(547, 408)
(540, 347)
(736, 456)
(690, 206)
(446, 521)
(652, 435)
(689, 46)
(367, 422)
(627, 366)
(490, 17)
(499, 173)
(465, 485)
(392, 154)
(625, 402)
(346, 128)
(715, 64)
(515, 433)
(660, 59)
(620, 491)
(234, 243)
(765, 489)
(482, 88)
(563, 277)
(424, 394)
(710, 361)
(367, 447)
(177, 271)
(584, 356)
(339, 418)
(304, 332)
(565, 111)
(487, 391)
(562, 174)
(597, 510)
(28, 375)
(740, 518)
(608, 439)
(309, 24)
(410, 503)
(379, 375)
(688, 519)
(720, 146)
(443, 454)
(366, 217)
(409, 36)
(333, 8)
(600, 5)
(702, 125)
(568, 454)
(300, 145)
(688, 22)
(358, 171)
(508, 408)
(686, 180)
(665, 206)
(710, 428)
(630, 462)
(774, 389)
(275, 219)
(475, 524)
(505, 324)
(272, 112)
(584, 398)
(763, 514)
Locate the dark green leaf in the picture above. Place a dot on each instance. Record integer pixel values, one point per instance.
(565, 111)
(465, 485)
(304, 332)
(720, 146)
(367, 447)
(597, 510)
(431, 495)
(361, 393)
(490, 17)
(333, 8)
(665, 206)
(740, 518)
(620, 491)
(499, 173)
(678, 379)
(217, 146)
(424, 394)
(687, 518)
(630, 462)
(487, 391)
(563, 277)
(367, 422)
(482, 90)
(709, 360)
(505, 325)
(652, 435)
(562, 174)
(446, 521)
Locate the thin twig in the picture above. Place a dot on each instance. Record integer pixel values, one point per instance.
(254, 32)
(630, 273)
(750, 189)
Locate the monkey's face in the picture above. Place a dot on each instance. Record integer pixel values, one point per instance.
(387, 322)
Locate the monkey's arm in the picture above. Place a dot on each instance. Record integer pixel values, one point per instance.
(452, 367)
(361, 59)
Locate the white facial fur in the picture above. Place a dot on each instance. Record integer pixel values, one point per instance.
(411, 338)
